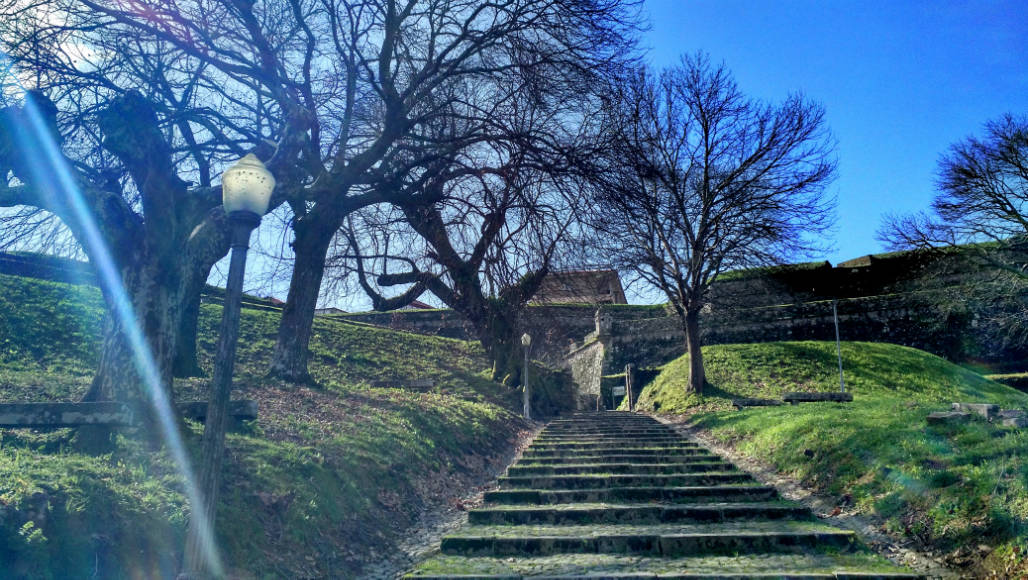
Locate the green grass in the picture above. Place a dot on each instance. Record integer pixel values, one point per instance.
(942, 487)
(323, 477)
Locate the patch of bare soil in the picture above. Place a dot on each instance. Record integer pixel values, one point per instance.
(446, 498)
(838, 511)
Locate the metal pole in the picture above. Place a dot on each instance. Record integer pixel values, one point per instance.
(213, 446)
(838, 345)
(629, 380)
(525, 396)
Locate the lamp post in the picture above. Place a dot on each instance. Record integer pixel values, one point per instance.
(245, 189)
(526, 342)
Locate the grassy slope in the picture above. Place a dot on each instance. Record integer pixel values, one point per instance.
(319, 482)
(950, 489)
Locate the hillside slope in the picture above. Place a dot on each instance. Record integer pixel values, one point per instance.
(961, 490)
(321, 484)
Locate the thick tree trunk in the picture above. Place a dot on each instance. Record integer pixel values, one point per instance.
(697, 374)
(186, 363)
(498, 333)
(123, 372)
(289, 361)
(156, 309)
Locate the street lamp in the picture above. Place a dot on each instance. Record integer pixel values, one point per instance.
(245, 191)
(526, 342)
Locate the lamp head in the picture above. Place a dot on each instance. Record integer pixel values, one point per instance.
(246, 186)
(526, 339)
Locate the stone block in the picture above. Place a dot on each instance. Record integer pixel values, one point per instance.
(66, 414)
(948, 417)
(1016, 422)
(835, 397)
(1010, 413)
(740, 403)
(984, 409)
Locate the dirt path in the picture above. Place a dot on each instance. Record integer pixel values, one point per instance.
(827, 507)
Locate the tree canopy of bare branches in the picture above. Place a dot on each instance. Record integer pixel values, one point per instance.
(137, 130)
(705, 180)
(338, 97)
(982, 193)
(486, 225)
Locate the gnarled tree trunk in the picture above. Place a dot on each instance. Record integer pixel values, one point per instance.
(289, 361)
(186, 363)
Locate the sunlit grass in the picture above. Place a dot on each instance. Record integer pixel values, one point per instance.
(326, 473)
(944, 487)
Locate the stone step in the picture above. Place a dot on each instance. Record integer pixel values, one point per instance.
(679, 494)
(614, 458)
(655, 540)
(638, 513)
(668, 444)
(608, 429)
(626, 450)
(620, 468)
(611, 441)
(586, 428)
(605, 434)
(841, 566)
(612, 480)
(615, 495)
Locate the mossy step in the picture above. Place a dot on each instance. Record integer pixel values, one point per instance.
(682, 576)
(657, 540)
(849, 566)
(592, 427)
(638, 513)
(594, 481)
(611, 429)
(677, 494)
(607, 435)
(614, 458)
(649, 439)
(605, 432)
(630, 443)
(620, 468)
(627, 449)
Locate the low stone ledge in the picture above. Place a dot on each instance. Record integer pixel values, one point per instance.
(833, 397)
(66, 414)
(750, 402)
(110, 414)
(948, 417)
(1015, 422)
(984, 409)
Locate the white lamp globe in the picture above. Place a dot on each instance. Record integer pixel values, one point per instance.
(526, 339)
(246, 186)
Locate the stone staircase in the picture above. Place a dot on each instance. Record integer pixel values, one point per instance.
(615, 495)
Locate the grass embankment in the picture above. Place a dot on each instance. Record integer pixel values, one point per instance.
(950, 489)
(323, 480)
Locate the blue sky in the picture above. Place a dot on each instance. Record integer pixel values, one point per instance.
(900, 81)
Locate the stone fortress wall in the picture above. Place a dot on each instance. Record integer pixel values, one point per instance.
(906, 299)
(918, 300)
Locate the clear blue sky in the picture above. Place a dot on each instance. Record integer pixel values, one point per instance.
(900, 81)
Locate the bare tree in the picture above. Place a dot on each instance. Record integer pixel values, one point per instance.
(983, 193)
(360, 77)
(705, 180)
(120, 139)
(480, 240)
(979, 220)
